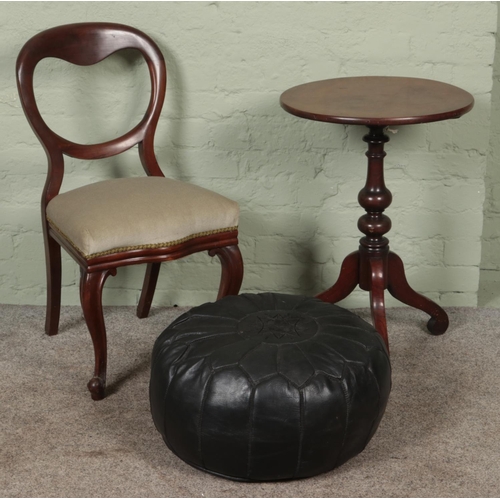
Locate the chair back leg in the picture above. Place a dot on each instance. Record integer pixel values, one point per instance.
(53, 269)
(91, 297)
(232, 269)
(148, 289)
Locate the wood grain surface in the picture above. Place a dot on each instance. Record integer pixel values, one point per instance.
(377, 100)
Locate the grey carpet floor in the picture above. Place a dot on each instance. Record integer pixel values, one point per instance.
(440, 436)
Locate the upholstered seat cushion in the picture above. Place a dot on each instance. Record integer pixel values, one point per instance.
(143, 212)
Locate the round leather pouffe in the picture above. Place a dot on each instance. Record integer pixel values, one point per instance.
(269, 386)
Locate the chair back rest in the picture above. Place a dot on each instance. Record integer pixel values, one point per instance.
(85, 44)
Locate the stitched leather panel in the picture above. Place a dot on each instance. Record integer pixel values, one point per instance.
(262, 387)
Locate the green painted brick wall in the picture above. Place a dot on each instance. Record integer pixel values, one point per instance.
(489, 285)
(222, 128)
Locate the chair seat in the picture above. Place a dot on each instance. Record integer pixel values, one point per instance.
(133, 213)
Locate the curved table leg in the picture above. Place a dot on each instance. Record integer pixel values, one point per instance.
(400, 289)
(377, 303)
(347, 281)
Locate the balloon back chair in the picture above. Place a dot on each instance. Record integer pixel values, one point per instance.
(126, 221)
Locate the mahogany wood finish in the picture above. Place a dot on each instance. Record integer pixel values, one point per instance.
(378, 102)
(148, 289)
(232, 269)
(86, 44)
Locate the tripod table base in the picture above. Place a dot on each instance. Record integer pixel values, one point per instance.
(377, 275)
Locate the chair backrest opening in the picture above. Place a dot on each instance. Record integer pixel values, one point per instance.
(85, 44)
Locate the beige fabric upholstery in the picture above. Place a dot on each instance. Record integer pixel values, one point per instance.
(143, 212)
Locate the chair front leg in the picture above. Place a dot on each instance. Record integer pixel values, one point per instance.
(91, 297)
(232, 269)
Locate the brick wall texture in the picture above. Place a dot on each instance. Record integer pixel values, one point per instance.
(222, 128)
(489, 289)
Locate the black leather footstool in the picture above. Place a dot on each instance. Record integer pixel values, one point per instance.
(268, 387)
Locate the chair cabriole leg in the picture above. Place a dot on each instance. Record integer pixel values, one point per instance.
(232, 269)
(91, 298)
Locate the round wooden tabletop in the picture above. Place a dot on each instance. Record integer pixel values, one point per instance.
(377, 101)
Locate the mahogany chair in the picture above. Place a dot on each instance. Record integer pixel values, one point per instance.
(125, 221)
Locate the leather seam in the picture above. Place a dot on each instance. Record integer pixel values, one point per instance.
(278, 362)
(246, 354)
(247, 375)
(180, 337)
(343, 358)
(212, 316)
(290, 381)
(378, 407)
(357, 342)
(250, 431)
(200, 418)
(264, 379)
(310, 364)
(348, 408)
(301, 431)
(164, 412)
(329, 375)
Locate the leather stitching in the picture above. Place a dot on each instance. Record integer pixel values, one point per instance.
(200, 418)
(379, 401)
(301, 430)
(246, 354)
(165, 412)
(348, 412)
(308, 360)
(250, 431)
